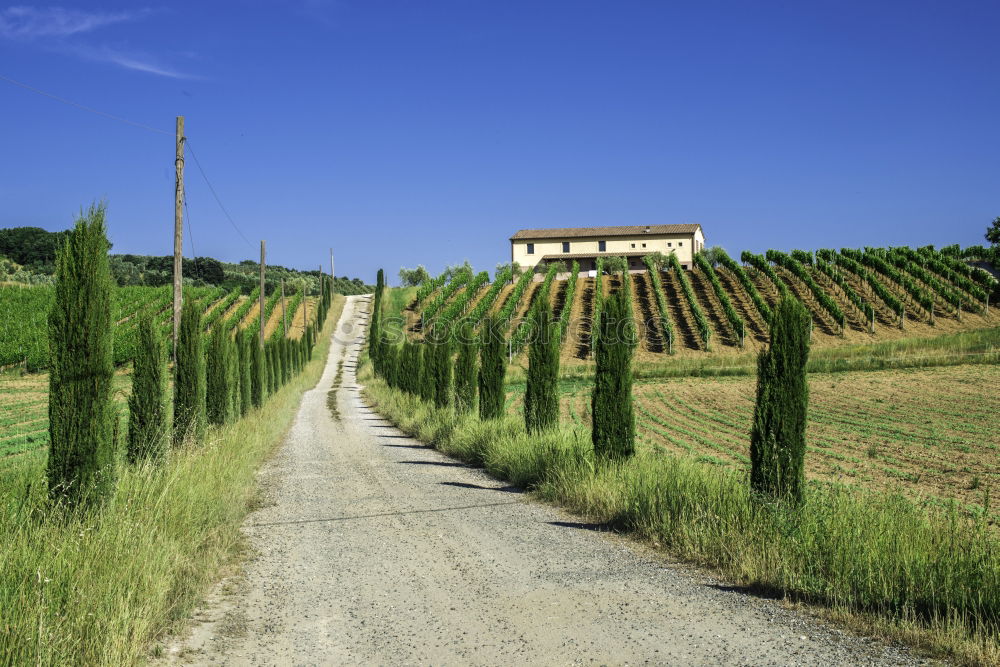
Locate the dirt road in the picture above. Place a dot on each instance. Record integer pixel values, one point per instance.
(374, 549)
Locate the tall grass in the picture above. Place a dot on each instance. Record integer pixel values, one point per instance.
(930, 575)
(96, 587)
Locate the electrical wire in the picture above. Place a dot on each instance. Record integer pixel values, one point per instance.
(187, 142)
(83, 107)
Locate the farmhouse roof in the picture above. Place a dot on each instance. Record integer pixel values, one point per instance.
(627, 230)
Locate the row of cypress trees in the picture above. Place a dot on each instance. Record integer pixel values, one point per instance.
(777, 446)
(215, 381)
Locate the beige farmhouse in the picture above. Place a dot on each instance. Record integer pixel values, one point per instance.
(534, 248)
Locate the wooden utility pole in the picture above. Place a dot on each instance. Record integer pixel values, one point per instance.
(284, 315)
(261, 297)
(178, 230)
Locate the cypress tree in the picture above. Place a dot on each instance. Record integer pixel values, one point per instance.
(778, 435)
(613, 432)
(465, 369)
(541, 396)
(82, 416)
(217, 404)
(245, 360)
(492, 369)
(148, 423)
(269, 365)
(426, 372)
(258, 372)
(189, 377)
(442, 376)
(233, 379)
(411, 370)
(374, 339)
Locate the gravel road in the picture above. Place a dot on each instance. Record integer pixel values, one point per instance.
(373, 549)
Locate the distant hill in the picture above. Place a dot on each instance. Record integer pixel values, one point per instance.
(27, 255)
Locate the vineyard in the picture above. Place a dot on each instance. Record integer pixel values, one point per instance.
(24, 421)
(722, 306)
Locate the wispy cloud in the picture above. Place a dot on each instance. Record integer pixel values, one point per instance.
(65, 30)
(32, 22)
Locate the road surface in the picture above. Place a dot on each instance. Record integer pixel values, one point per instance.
(374, 549)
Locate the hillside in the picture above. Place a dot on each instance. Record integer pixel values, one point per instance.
(721, 306)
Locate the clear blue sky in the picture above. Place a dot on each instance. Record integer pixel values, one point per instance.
(428, 131)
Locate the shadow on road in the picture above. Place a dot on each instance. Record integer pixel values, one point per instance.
(466, 485)
(444, 464)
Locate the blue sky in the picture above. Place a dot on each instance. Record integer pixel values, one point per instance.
(427, 132)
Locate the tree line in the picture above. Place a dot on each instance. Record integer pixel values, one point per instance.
(458, 367)
(217, 377)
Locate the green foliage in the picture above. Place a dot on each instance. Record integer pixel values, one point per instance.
(492, 368)
(735, 321)
(993, 231)
(574, 275)
(427, 366)
(741, 275)
(460, 277)
(441, 374)
(458, 305)
(189, 377)
(701, 322)
(613, 432)
(502, 277)
(880, 290)
(958, 273)
(778, 435)
(245, 369)
(877, 262)
(411, 371)
(760, 263)
(653, 267)
(837, 276)
(429, 287)
(236, 318)
(148, 418)
(82, 417)
(526, 326)
(541, 397)
(220, 380)
(413, 277)
(800, 272)
(220, 309)
(466, 368)
(258, 370)
(375, 323)
(507, 311)
(598, 303)
(33, 247)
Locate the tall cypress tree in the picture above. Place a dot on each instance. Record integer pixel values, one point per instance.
(492, 368)
(427, 371)
(613, 432)
(189, 377)
(465, 369)
(258, 372)
(374, 338)
(410, 373)
(778, 436)
(82, 416)
(246, 367)
(148, 423)
(541, 396)
(217, 405)
(233, 376)
(442, 376)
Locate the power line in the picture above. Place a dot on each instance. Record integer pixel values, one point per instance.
(187, 142)
(84, 108)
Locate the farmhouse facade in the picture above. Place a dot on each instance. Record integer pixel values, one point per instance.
(534, 248)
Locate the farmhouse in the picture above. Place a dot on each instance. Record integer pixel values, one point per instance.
(534, 248)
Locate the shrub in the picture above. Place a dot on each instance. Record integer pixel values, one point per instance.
(613, 432)
(82, 417)
(778, 435)
(148, 425)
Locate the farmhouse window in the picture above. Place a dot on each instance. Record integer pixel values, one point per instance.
(602, 246)
(633, 245)
(565, 246)
(531, 248)
(643, 245)
(669, 244)
(680, 243)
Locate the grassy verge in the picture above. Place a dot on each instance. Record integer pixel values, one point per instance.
(98, 587)
(881, 562)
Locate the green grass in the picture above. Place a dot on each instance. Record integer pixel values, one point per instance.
(97, 587)
(910, 570)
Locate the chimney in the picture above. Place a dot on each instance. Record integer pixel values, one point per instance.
(647, 229)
